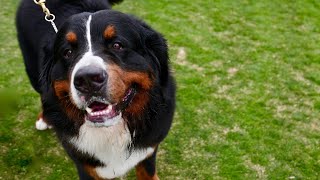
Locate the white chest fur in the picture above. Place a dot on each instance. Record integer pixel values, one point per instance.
(109, 145)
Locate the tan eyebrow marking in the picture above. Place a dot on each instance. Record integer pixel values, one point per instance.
(71, 37)
(109, 32)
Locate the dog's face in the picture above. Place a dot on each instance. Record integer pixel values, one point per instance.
(105, 66)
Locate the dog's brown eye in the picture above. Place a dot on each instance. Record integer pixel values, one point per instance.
(117, 46)
(67, 54)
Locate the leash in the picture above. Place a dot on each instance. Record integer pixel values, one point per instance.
(48, 16)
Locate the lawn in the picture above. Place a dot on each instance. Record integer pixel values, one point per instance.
(248, 101)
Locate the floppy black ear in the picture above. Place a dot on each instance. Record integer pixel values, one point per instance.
(47, 63)
(158, 49)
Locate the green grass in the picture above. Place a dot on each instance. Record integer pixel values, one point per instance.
(248, 103)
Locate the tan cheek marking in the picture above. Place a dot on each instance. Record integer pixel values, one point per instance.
(140, 78)
(71, 37)
(128, 78)
(109, 32)
(121, 81)
(142, 98)
(116, 87)
(139, 102)
(61, 89)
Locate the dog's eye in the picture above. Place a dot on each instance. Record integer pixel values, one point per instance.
(67, 53)
(117, 46)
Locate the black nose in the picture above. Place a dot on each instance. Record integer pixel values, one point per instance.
(90, 79)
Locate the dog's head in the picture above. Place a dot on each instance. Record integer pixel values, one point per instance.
(105, 66)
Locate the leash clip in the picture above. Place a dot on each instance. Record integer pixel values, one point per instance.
(48, 16)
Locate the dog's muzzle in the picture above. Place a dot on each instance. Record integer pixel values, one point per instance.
(91, 85)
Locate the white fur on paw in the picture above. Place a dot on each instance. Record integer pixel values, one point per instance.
(41, 125)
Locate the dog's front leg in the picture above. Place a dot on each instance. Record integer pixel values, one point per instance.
(146, 170)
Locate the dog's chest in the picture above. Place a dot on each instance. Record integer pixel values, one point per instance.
(109, 145)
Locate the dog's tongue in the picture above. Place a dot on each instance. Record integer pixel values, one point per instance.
(99, 112)
(97, 106)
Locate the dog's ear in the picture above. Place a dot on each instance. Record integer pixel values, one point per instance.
(157, 48)
(47, 64)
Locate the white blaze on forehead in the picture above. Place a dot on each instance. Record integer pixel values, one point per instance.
(88, 33)
(87, 59)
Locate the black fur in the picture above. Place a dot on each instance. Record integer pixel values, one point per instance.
(145, 48)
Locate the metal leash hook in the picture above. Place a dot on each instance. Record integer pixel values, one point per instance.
(48, 17)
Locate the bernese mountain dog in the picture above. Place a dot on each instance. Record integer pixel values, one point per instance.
(104, 81)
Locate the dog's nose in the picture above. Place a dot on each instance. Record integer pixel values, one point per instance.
(90, 79)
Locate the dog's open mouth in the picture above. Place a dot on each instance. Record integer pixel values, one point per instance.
(100, 112)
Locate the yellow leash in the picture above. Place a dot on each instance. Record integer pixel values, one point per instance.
(48, 16)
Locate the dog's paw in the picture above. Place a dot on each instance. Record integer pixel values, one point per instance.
(42, 125)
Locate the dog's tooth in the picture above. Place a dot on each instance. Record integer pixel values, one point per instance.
(89, 110)
(109, 107)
